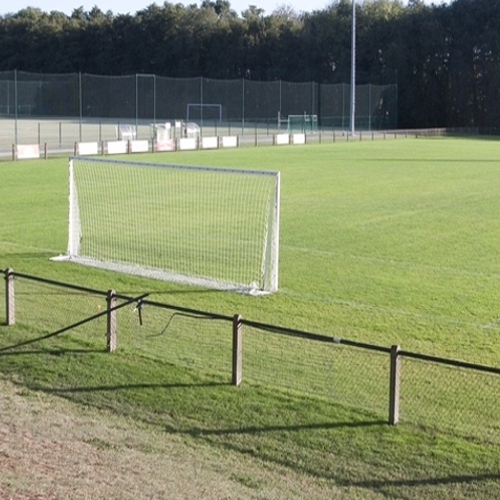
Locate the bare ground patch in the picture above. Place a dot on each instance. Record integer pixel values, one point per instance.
(52, 449)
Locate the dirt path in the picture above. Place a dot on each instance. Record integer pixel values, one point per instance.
(51, 449)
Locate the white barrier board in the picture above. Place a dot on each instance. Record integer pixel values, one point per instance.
(26, 151)
(209, 143)
(298, 138)
(139, 146)
(187, 143)
(165, 145)
(117, 147)
(282, 139)
(87, 148)
(230, 141)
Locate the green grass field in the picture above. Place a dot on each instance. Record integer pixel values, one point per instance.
(385, 242)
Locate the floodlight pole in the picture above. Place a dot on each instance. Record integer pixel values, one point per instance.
(353, 68)
(15, 106)
(80, 103)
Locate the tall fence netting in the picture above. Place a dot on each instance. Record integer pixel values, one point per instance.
(152, 98)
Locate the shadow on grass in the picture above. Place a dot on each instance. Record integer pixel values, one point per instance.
(5, 350)
(53, 352)
(278, 428)
(31, 255)
(346, 447)
(461, 486)
(429, 481)
(114, 388)
(430, 160)
(304, 447)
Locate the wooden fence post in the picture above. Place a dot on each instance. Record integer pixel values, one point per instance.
(10, 299)
(237, 350)
(111, 321)
(394, 385)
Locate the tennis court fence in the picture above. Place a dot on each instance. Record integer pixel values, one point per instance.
(395, 385)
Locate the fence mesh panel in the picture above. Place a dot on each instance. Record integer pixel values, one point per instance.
(42, 308)
(153, 98)
(458, 400)
(298, 98)
(345, 375)
(47, 94)
(7, 93)
(190, 340)
(173, 96)
(455, 399)
(109, 97)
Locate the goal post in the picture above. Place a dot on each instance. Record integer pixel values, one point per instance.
(206, 226)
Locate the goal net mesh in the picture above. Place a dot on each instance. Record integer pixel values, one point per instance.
(206, 226)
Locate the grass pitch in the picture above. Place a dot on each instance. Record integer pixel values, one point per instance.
(389, 242)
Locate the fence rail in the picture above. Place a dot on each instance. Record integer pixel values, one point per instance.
(52, 138)
(400, 386)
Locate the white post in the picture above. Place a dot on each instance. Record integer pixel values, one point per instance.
(73, 222)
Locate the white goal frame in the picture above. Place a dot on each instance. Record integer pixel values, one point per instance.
(144, 226)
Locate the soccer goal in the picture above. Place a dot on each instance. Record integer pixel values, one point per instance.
(205, 226)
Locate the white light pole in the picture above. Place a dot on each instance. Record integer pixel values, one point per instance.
(353, 68)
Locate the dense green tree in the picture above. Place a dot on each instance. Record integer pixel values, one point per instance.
(445, 58)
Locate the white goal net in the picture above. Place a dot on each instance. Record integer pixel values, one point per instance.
(206, 226)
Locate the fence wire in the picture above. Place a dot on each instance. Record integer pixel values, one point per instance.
(453, 399)
(183, 339)
(438, 396)
(345, 375)
(155, 98)
(43, 308)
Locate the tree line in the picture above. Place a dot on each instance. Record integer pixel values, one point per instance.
(444, 58)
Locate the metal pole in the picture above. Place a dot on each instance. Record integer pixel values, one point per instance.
(353, 67)
(280, 98)
(243, 108)
(136, 102)
(81, 104)
(154, 101)
(15, 106)
(201, 107)
(369, 106)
